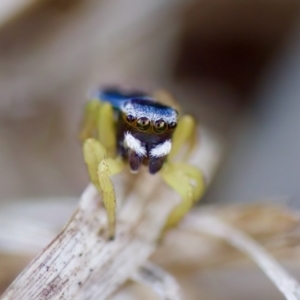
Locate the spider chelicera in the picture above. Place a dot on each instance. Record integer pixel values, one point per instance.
(122, 127)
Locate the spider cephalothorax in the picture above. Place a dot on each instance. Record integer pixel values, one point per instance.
(134, 127)
(145, 130)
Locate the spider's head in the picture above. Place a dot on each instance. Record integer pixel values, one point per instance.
(149, 127)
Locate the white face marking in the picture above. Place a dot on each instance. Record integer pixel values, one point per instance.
(162, 149)
(134, 144)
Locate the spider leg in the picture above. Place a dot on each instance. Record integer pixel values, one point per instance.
(98, 122)
(106, 128)
(100, 169)
(99, 155)
(89, 122)
(107, 168)
(188, 182)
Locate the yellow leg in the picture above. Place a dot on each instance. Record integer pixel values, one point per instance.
(185, 134)
(188, 182)
(100, 169)
(106, 128)
(93, 153)
(89, 123)
(99, 123)
(106, 168)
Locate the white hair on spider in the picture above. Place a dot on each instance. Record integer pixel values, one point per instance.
(128, 109)
(150, 109)
(162, 149)
(134, 144)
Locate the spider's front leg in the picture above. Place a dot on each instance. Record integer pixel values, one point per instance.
(98, 155)
(98, 123)
(101, 168)
(186, 180)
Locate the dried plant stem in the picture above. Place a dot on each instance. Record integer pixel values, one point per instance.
(162, 283)
(217, 228)
(81, 263)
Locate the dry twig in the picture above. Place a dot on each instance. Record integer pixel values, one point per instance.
(81, 263)
(215, 227)
(159, 280)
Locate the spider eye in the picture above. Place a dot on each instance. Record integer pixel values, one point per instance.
(160, 126)
(143, 123)
(172, 125)
(130, 118)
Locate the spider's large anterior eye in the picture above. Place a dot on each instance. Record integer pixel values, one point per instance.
(160, 126)
(143, 123)
(130, 118)
(172, 125)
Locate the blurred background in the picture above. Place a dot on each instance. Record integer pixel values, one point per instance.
(234, 64)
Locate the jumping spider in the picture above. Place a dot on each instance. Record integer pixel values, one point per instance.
(139, 129)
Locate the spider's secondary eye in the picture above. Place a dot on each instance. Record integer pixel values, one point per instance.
(160, 126)
(130, 118)
(172, 125)
(143, 123)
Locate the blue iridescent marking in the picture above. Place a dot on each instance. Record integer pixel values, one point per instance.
(136, 103)
(116, 97)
